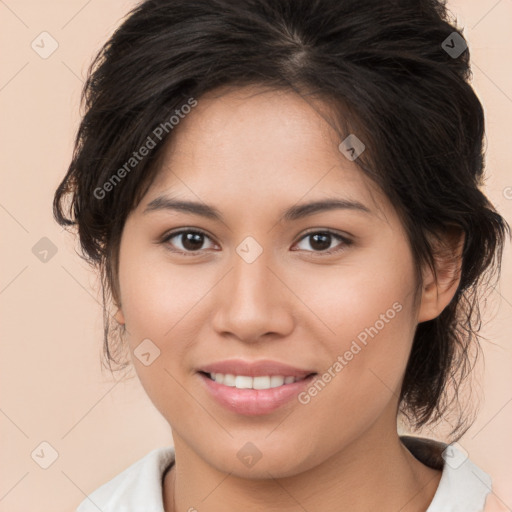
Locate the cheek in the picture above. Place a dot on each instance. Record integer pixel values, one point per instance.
(156, 297)
(371, 324)
(362, 379)
(369, 343)
(158, 305)
(351, 298)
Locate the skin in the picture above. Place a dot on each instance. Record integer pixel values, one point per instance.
(251, 154)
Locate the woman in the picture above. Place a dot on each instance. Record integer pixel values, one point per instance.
(283, 199)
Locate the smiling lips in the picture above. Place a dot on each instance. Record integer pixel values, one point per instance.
(253, 388)
(264, 374)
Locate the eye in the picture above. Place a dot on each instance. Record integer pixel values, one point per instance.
(188, 241)
(322, 240)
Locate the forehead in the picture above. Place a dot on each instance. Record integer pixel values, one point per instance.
(249, 144)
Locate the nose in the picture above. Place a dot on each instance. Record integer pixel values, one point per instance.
(253, 301)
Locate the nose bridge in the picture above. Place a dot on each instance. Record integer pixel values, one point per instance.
(251, 277)
(251, 280)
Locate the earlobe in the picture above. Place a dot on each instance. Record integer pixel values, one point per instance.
(430, 304)
(120, 317)
(437, 294)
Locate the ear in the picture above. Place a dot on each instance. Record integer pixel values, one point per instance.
(119, 316)
(437, 294)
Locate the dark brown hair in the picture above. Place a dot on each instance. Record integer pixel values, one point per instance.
(395, 73)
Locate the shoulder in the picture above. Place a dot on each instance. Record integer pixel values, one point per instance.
(495, 504)
(138, 487)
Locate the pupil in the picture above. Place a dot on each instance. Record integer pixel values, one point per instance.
(326, 241)
(193, 241)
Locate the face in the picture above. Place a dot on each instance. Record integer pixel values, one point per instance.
(330, 291)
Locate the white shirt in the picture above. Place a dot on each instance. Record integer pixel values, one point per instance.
(463, 486)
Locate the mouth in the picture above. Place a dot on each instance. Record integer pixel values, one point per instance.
(250, 396)
(260, 382)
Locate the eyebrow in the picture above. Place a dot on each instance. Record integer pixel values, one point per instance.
(293, 213)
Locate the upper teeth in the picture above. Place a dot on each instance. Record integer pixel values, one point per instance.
(245, 382)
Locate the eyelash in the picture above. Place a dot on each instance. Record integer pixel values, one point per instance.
(345, 241)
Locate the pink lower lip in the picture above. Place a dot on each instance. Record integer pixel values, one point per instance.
(254, 401)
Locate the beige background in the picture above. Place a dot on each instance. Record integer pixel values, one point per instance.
(52, 387)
